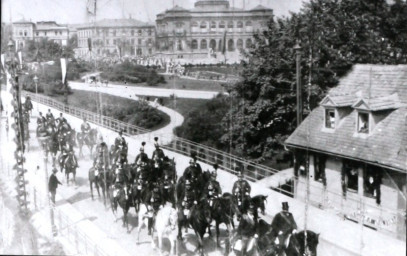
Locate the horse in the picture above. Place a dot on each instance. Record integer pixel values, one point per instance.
(88, 140)
(200, 219)
(118, 197)
(165, 225)
(222, 211)
(169, 168)
(52, 147)
(70, 166)
(259, 203)
(167, 186)
(100, 178)
(28, 106)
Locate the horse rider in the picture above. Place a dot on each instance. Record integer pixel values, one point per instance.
(158, 152)
(188, 199)
(85, 128)
(191, 170)
(28, 106)
(61, 120)
(282, 226)
(212, 188)
(49, 115)
(66, 151)
(246, 230)
(241, 189)
(41, 119)
(141, 157)
(120, 181)
(196, 164)
(120, 141)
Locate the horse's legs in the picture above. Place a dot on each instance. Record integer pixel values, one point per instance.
(91, 189)
(217, 234)
(180, 230)
(200, 244)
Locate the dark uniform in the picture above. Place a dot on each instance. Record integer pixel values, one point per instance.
(188, 199)
(154, 204)
(61, 120)
(158, 153)
(246, 230)
(41, 119)
(282, 225)
(120, 181)
(85, 127)
(67, 150)
(120, 141)
(211, 190)
(53, 184)
(191, 171)
(49, 115)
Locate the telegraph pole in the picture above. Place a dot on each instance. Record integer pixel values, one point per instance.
(297, 49)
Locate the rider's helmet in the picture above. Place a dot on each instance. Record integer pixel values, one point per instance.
(120, 132)
(240, 174)
(156, 143)
(210, 186)
(191, 162)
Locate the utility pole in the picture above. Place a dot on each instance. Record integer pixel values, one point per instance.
(297, 49)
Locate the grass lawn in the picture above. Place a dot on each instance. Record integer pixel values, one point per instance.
(116, 107)
(182, 105)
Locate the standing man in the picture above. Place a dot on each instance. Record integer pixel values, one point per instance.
(53, 184)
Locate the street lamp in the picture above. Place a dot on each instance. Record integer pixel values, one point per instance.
(36, 87)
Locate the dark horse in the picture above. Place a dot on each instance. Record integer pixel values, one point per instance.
(124, 203)
(222, 211)
(100, 178)
(52, 147)
(88, 140)
(267, 246)
(200, 220)
(70, 166)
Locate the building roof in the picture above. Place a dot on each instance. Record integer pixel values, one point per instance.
(380, 87)
(261, 8)
(116, 23)
(23, 21)
(177, 9)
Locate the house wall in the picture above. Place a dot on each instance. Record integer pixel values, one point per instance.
(386, 217)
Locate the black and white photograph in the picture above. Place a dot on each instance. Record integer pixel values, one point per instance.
(203, 127)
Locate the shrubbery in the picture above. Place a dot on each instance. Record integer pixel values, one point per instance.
(132, 73)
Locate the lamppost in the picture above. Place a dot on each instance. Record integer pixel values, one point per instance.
(36, 87)
(297, 49)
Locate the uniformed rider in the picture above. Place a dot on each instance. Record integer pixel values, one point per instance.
(188, 199)
(283, 225)
(41, 119)
(155, 203)
(246, 230)
(158, 152)
(67, 150)
(49, 115)
(85, 127)
(120, 141)
(61, 120)
(241, 188)
(141, 157)
(120, 181)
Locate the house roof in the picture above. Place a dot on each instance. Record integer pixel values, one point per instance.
(177, 9)
(260, 8)
(23, 21)
(117, 23)
(380, 87)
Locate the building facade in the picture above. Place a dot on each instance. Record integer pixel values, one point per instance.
(26, 30)
(211, 30)
(52, 31)
(355, 144)
(116, 37)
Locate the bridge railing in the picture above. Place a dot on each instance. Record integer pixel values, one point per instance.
(209, 155)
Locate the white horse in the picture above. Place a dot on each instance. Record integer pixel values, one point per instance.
(166, 223)
(143, 217)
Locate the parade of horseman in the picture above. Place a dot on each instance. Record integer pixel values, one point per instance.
(151, 184)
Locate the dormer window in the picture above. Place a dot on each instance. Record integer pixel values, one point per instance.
(330, 118)
(363, 122)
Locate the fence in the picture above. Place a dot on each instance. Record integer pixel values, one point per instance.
(209, 155)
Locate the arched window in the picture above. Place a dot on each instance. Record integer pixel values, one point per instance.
(213, 24)
(249, 23)
(220, 45)
(222, 24)
(194, 44)
(248, 43)
(230, 24)
(204, 44)
(239, 44)
(139, 32)
(212, 44)
(204, 24)
(132, 32)
(195, 24)
(231, 45)
(239, 24)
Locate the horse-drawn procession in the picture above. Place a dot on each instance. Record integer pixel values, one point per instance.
(167, 204)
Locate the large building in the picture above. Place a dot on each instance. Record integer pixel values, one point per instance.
(26, 30)
(116, 37)
(211, 30)
(356, 146)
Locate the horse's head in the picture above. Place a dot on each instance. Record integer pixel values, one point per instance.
(259, 202)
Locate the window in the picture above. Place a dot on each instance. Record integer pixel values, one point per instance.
(239, 43)
(204, 44)
(351, 176)
(114, 32)
(150, 51)
(248, 43)
(178, 25)
(371, 182)
(222, 24)
(194, 44)
(21, 33)
(363, 122)
(139, 41)
(194, 24)
(212, 44)
(230, 24)
(139, 32)
(107, 41)
(132, 32)
(37, 33)
(114, 41)
(149, 32)
(249, 23)
(213, 24)
(319, 167)
(239, 24)
(231, 45)
(330, 118)
(56, 33)
(203, 24)
(45, 33)
(25, 32)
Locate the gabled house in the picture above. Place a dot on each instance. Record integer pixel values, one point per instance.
(353, 149)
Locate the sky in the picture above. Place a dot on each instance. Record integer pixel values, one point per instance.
(74, 11)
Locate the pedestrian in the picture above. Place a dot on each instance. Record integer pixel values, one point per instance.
(53, 184)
